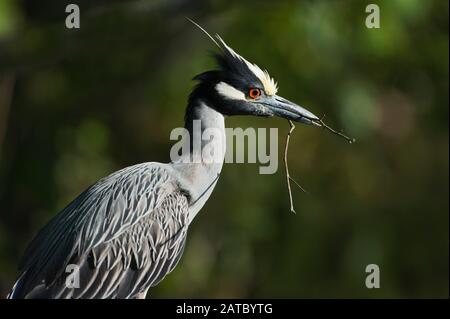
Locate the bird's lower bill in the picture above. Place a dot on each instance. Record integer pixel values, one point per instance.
(284, 108)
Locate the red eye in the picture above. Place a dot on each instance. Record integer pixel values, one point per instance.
(254, 93)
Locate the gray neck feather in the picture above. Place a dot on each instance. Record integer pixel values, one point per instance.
(198, 174)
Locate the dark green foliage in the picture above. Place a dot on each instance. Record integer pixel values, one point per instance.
(87, 102)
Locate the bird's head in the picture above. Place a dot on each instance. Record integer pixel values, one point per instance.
(239, 87)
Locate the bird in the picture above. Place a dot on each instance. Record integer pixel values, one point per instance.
(128, 230)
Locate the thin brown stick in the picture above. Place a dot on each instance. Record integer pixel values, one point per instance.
(298, 185)
(286, 168)
(321, 123)
(325, 126)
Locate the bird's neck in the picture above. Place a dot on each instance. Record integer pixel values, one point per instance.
(206, 134)
(202, 152)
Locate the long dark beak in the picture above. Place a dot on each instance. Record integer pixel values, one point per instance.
(286, 109)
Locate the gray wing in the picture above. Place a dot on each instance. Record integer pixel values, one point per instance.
(123, 234)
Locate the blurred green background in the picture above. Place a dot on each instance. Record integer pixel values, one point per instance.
(75, 105)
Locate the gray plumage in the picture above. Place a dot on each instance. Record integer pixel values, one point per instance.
(128, 230)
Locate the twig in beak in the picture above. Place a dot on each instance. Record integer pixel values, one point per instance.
(286, 167)
(325, 126)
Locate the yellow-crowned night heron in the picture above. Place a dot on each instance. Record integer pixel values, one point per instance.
(127, 231)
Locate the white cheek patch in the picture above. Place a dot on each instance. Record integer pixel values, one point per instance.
(229, 92)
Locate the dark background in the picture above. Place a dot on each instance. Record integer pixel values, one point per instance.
(75, 105)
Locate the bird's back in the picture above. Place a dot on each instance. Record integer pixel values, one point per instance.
(115, 240)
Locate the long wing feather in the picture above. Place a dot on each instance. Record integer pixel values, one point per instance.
(125, 233)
